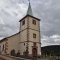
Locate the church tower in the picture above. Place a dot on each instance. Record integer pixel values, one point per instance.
(30, 43)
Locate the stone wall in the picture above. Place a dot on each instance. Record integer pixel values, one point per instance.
(5, 57)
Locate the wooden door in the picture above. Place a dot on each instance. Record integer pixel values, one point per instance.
(34, 52)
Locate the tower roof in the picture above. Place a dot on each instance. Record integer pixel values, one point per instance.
(29, 11)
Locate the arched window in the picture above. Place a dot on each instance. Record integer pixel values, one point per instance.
(3, 48)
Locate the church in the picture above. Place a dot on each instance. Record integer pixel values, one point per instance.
(27, 40)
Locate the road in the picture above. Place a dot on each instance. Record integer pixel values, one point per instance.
(1, 58)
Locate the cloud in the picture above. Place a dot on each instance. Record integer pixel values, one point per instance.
(51, 40)
(11, 11)
(48, 12)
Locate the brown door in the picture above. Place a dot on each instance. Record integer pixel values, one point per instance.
(34, 52)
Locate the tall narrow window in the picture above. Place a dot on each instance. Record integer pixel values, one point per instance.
(34, 35)
(23, 22)
(34, 22)
(3, 48)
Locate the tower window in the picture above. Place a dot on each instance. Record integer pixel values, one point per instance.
(24, 44)
(23, 22)
(34, 22)
(34, 35)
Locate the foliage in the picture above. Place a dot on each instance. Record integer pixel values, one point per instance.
(53, 50)
(52, 58)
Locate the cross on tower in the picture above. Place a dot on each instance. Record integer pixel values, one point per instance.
(29, 1)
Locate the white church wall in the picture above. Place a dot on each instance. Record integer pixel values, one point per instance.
(1, 49)
(23, 36)
(30, 48)
(22, 27)
(32, 26)
(3, 46)
(39, 49)
(22, 47)
(31, 36)
(13, 43)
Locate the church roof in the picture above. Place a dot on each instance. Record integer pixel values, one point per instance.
(8, 37)
(29, 16)
(29, 11)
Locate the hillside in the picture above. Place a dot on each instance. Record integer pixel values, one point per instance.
(51, 50)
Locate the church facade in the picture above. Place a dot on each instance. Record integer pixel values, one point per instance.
(27, 40)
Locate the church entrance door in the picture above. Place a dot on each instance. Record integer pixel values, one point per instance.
(34, 51)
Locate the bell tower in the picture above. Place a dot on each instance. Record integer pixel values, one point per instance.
(30, 41)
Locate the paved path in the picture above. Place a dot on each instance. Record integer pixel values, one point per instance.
(1, 58)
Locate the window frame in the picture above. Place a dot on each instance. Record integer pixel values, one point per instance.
(34, 35)
(34, 21)
(23, 22)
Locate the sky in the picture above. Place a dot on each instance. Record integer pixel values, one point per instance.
(11, 11)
